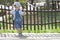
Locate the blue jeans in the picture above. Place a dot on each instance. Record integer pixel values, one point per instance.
(17, 23)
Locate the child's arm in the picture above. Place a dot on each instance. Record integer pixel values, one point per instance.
(22, 12)
(12, 12)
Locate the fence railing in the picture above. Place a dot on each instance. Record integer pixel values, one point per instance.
(39, 18)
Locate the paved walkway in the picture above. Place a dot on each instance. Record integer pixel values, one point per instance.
(30, 36)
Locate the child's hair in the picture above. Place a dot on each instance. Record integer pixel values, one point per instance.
(17, 4)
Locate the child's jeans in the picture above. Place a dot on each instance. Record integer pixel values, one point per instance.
(18, 23)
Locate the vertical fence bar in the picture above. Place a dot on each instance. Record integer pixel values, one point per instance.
(23, 23)
(55, 16)
(55, 22)
(37, 18)
(30, 18)
(52, 19)
(41, 18)
(44, 18)
(13, 23)
(4, 14)
(34, 18)
(27, 16)
(52, 15)
(0, 21)
(24, 19)
(9, 19)
(0, 25)
(6, 20)
(3, 21)
(48, 16)
(48, 21)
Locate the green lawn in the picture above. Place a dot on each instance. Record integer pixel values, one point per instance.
(35, 31)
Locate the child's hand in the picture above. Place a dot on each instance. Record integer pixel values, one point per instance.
(24, 13)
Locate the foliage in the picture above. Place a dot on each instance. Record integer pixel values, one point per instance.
(9, 2)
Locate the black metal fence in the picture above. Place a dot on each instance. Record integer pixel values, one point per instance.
(38, 18)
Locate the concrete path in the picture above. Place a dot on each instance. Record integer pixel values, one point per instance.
(30, 36)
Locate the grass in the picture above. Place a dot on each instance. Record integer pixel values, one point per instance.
(35, 31)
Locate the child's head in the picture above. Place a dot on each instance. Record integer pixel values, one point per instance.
(17, 5)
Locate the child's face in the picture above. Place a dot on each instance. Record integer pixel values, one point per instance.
(17, 7)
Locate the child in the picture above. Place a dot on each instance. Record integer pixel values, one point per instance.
(17, 17)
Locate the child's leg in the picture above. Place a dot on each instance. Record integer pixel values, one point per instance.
(19, 30)
(18, 26)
